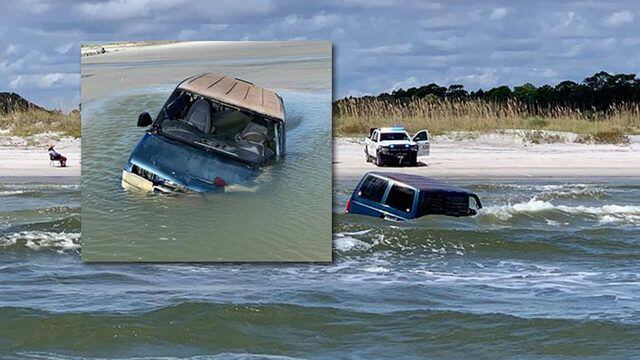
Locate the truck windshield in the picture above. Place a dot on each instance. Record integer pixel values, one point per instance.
(393, 136)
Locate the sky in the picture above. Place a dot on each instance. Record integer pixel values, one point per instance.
(379, 45)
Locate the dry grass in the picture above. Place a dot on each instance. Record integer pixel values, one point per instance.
(611, 136)
(354, 117)
(30, 122)
(542, 137)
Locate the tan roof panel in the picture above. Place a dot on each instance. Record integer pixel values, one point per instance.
(236, 92)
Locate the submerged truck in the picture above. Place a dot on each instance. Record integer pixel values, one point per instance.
(394, 145)
(213, 131)
(397, 196)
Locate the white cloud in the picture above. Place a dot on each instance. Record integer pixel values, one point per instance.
(187, 34)
(64, 48)
(367, 3)
(9, 67)
(291, 19)
(549, 73)
(619, 18)
(397, 49)
(37, 6)
(124, 9)
(11, 49)
(498, 13)
(407, 83)
(45, 81)
(323, 20)
(484, 78)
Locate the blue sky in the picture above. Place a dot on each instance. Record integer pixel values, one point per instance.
(379, 45)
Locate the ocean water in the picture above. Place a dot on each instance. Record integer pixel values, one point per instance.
(280, 214)
(549, 269)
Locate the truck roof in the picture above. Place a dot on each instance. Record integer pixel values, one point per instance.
(236, 92)
(419, 182)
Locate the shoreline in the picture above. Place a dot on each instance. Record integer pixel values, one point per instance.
(500, 159)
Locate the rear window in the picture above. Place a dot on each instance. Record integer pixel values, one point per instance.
(373, 188)
(400, 198)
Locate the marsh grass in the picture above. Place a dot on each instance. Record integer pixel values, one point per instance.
(542, 137)
(611, 136)
(354, 117)
(30, 122)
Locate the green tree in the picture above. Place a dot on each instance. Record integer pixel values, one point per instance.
(525, 93)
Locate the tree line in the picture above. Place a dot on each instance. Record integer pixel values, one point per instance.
(596, 93)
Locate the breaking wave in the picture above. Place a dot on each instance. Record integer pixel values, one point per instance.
(345, 242)
(604, 213)
(41, 240)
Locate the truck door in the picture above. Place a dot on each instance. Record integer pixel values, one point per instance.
(371, 145)
(422, 139)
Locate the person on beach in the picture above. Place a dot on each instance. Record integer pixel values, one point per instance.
(54, 155)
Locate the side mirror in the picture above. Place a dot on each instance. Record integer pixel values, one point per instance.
(144, 119)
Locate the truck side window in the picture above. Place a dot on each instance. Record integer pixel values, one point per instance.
(421, 136)
(374, 136)
(400, 198)
(373, 188)
(445, 203)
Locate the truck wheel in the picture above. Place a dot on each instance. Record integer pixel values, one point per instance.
(413, 160)
(379, 161)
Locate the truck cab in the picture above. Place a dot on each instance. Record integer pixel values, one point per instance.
(213, 131)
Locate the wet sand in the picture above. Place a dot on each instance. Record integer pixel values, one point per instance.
(280, 65)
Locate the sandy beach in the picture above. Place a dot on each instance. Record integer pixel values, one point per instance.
(278, 65)
(28, 162)
(499, 156)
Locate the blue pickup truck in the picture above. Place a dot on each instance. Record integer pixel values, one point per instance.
(398, 196)
(213, 131)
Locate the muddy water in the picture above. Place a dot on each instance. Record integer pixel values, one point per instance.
(283, 213)
(547, 270)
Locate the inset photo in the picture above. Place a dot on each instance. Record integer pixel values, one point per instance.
(206, 151)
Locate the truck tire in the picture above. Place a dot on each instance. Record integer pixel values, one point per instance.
(413, 161)
(379, 160)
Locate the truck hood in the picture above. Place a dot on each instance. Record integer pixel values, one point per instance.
(396, 142)
(186, 165)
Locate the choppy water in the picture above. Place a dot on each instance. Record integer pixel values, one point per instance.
(548, 270)
(281, 215)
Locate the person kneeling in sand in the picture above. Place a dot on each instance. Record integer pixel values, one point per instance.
(56, 156)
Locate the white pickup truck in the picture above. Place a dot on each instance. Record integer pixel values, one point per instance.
(394, 145)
